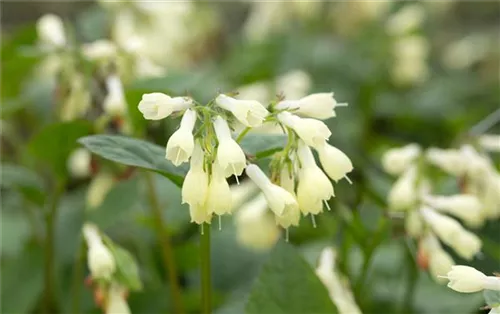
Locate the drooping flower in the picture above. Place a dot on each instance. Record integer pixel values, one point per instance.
(116, 302)
(195, 188)
(181, 144)
(397, 160)
(313, 132)
(157, 106)
(314, 187)
(448, 160)
(99, 187)
(50, 30)
(229, 154)
(318, 106)
(403, 193)
(440, 262)
(249, 112)
(100, 260)
(464, 206)
(280, 201)
(79, 163)
(335, 163)
(467, 279)
(101, 49)
(490, 142)
(114, 102)
(414, 224)
(219, 199)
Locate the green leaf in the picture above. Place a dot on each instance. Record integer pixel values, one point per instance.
(127, 270)
(263, 145)
(25, 180)
(287, 284)
(492, 297)
(134, 152)
(53, 144)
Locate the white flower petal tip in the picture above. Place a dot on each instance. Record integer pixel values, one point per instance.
(181, 144)
(313, 132)
(318, 106)
(157, 106)
(249, 112)
(230, 156)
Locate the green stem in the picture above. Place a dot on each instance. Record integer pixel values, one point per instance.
(242, 134)
(50, 219)
(411, 281)
(205, 270)
(166, 247)
(361, 281)
(78, 278)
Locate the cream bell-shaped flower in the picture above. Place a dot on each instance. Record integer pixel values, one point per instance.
(467, 279)
(449, 160)
(335, 163)
(229, 154)
(280, 201)
(318, 106)
(466, 244)
(79, 163)
(181, 144)
(195, 186)
(116, 303)
(157, 106)
(403, 193)
(313, 132)
(100, 260)
(464, 206)
(249, 112)
(219, 200)
(477, 165)
(50, 29)
(490, 142)
(414, 224)
(314, 187)
(98, 188)
(397, 160)
(255, 227)
(440, 262)
(114, 102)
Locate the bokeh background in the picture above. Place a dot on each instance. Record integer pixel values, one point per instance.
(426, 76)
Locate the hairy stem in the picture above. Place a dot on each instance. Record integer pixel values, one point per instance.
(242, 134)
(205, 270)
(166, 247)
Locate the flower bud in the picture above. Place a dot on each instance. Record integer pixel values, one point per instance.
(397, 160)
(249, 112)
(157, 106)
(229, 154)
(195, 186)
(219, 194)
(407, 19)
(255, 228)
(466, 244)
(414, 224)
(116, 303)
(50, 29)
(79, 163)
(101, 49)
(100, 260)
(335, 163)
(181, 144)
(448, 160)
(313, 132)
(114, 102)
(477, 165)
(287, 180)
(314, 187)
(467, 279)
(99, 187)
(403, 193)
(490, 142)
(440, 262)
(318, 106)
(463, 206)
(280, 201)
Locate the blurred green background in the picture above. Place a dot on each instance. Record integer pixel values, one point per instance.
(345, 47)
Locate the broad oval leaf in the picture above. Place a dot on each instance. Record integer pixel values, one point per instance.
(263, 145)
(127, 271)
(287, 284)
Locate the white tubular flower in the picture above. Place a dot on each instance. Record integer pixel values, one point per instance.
(403, 193)
(313, 132)
(287, 180)
(463, 206)
(116, 303)
(50, 29)
(181, 144)
(99, 187)
(477, 165)
(101, 49)
(490, 196)
(79, 163)
(195, 186)
(397, 160)
(448, 160)
(314, 187)
(335, 163)
(114, 102)
(467, 279)
(338, 289)
(280, 201)
(414, 224)
(318, 106)
(157, 106)
(249, 112)
(100, 260)
(255, 227)
(466, 244)
(440, 262)
(407, 19)
(294, 84)
(219, 199)
(229, 154)
(490, 142)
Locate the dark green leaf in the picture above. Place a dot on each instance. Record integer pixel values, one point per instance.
(134, 152)
(53, 144)
(492, 297)
(262, 145)
(287, 284)
(27, 181)
(127, 270)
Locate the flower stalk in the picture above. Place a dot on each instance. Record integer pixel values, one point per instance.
(206, 279)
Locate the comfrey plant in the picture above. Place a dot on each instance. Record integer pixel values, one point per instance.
(205, 139)
(429, 217)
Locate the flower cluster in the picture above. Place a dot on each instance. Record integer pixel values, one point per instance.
(429, 217)
(108, 293)
(205, 140)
